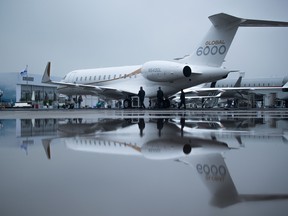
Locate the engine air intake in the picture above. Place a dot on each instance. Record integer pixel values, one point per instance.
(187, 71)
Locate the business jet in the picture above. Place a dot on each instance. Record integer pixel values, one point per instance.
(204, 65)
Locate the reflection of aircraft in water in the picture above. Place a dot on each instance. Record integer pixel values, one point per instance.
(162, 139)
(158, 139)
(80, 126)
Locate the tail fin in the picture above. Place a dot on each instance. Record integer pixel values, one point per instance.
(215, 45)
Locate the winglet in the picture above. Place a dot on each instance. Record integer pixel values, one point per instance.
(46, 146)
(285, 87)
(46, 75)
(238, 82)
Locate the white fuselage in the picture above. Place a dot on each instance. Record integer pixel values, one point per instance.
(130, 78)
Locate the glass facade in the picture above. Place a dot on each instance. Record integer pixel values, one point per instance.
(38, 93)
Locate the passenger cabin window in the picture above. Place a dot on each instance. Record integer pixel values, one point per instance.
(109, 77)
(115, 76)
(99, 77)
(94, 77)
(90, 78)
(104, 77)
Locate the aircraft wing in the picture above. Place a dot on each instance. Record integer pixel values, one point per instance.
(104, 92)
(101, 91)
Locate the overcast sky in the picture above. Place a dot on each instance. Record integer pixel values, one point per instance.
(88, 34)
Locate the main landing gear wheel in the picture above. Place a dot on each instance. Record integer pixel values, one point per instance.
(127, 103)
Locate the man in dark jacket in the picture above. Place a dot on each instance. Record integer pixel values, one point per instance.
(141, 95)
(160, 96)
(182, 99)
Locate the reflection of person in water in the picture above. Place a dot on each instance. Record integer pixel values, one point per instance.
(160, 125)
(141, 125)
(182, 122)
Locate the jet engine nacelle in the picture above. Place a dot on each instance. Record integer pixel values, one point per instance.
(165, 71)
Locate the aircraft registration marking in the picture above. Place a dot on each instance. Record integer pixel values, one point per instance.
(154, 70)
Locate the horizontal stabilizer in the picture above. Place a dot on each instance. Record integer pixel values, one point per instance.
(262, 197)
(223, 19)
(262, 23)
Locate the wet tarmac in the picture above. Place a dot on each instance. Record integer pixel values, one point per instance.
(143, 162)
(114, 113)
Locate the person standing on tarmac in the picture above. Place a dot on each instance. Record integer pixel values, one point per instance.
(182, 99)
(79, 101)
(141, 95)
(160, 96)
